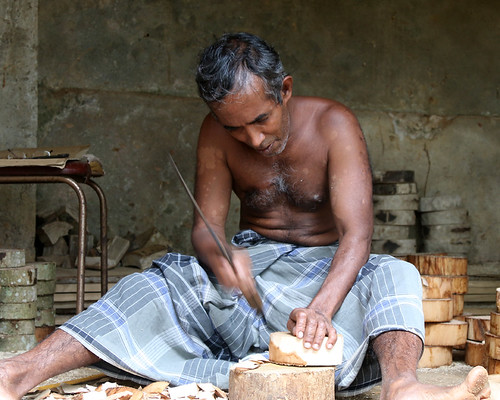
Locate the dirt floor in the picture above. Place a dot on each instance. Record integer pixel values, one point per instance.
(443, 376)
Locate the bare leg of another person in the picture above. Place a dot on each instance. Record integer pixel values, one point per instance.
(59, 353)
(398, 353)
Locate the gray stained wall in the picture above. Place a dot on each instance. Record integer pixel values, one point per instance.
(422, 77)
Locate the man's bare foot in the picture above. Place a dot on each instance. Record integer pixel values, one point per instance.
(8, 381)
(474, 387)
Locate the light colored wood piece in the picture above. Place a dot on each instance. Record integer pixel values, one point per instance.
(437, 310)
(492, 345)
(495, 323)
(434, 264)
(436, 287)
(275, 382)
(493, 367)
(459, 284)
(475, 353)
(45, 271)
(498, 300)
(287, 349)
(458, 304)
(452, 333)
(477, 326)
(436, 356)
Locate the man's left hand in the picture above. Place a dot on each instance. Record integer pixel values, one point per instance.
(312, 326)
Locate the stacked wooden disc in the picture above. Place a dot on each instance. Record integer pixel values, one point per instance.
(445, 225)
(475, 349)
(395, 201)
(492, 340)
(46, 284)
(444, 283)
(18, 293)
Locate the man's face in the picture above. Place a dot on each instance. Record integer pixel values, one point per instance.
(254, 119)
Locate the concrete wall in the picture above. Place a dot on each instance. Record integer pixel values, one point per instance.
(18, 115)
(421, 75)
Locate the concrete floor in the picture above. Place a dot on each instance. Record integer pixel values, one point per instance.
(443, 376)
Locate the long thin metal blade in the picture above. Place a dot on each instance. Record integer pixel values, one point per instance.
(252, 295)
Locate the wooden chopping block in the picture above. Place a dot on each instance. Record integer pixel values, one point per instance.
(437, 310)
(433, 264)
(495, 323)
(436, 287)
(493, 366)
(493, 345)
(452, 333)
(478, 325)
(297, 379)
(458, 304)
(498, 300)
(475, 354)
(436, 356)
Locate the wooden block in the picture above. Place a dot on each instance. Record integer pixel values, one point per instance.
(18, 311)
(396, 202)
(273, 382)
(46, 301)
(399, 176)
(43, 331)
(12, 258)
(458, 304)
(394, 217)
(493, 366)
(475, 353)
(17, 342)
(45, 270)
(394, 246)
(45, 317)
(390, 232)
(17, 294)
(17, 327)
(492, 345)
(19, 276)
(117, 247)
(436, 287)
(395, 188)
(457, 216)
(437, 310)
(495, 323)
(477, 326)
(51, 232)
(459, 246)
(440, 203)
(452, 333)
(498, 300)
(459, 284)
(46, 287)
(287, 349)
(436, 356)
(446, 232)
(433, 264)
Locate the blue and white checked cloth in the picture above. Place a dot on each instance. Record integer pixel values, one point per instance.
(174, 322)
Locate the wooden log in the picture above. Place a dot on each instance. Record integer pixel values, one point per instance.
(436, 356)
(492, 345)
(477, 326)
(437, 310)
(394, 246)
(394, 217)
(475, 353)
(435, 264)
(457, 216)
(46, 287)
(440, 203)
(396, 202)
(458, 304)
(495, 323)
(12, 258)
(436, 287)
(46, 301)
(452, 333)
(45, 270)
(17, 342)
(18, 294)
(45, 317)
(493, 366)
(19, 276)
(287, 349)
(276, 382)
(17, 327)
(42, 332)
(18, 311)
(459, 284)
(498, 299)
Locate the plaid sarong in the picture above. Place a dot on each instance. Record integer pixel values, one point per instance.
(174, 322)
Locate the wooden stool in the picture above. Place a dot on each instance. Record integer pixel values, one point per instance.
(73, 174)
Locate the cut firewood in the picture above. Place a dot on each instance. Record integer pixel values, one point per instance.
(477, 326)
(50, 233)
(436, 287)
(493, 366)
(459, 284)
(475, 353)
(452, 333)
(433, 264)
(437, 310)
(436, 356)
(287, 349)
(273, 381)
(458, 304)
(498, 300)
(117, 247)
(493, 345)
(495, 323)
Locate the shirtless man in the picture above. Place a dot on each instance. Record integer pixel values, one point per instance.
(300, 167)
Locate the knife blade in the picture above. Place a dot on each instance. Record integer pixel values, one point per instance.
(250, 293)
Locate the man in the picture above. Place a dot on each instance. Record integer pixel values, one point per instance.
(299, 166)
